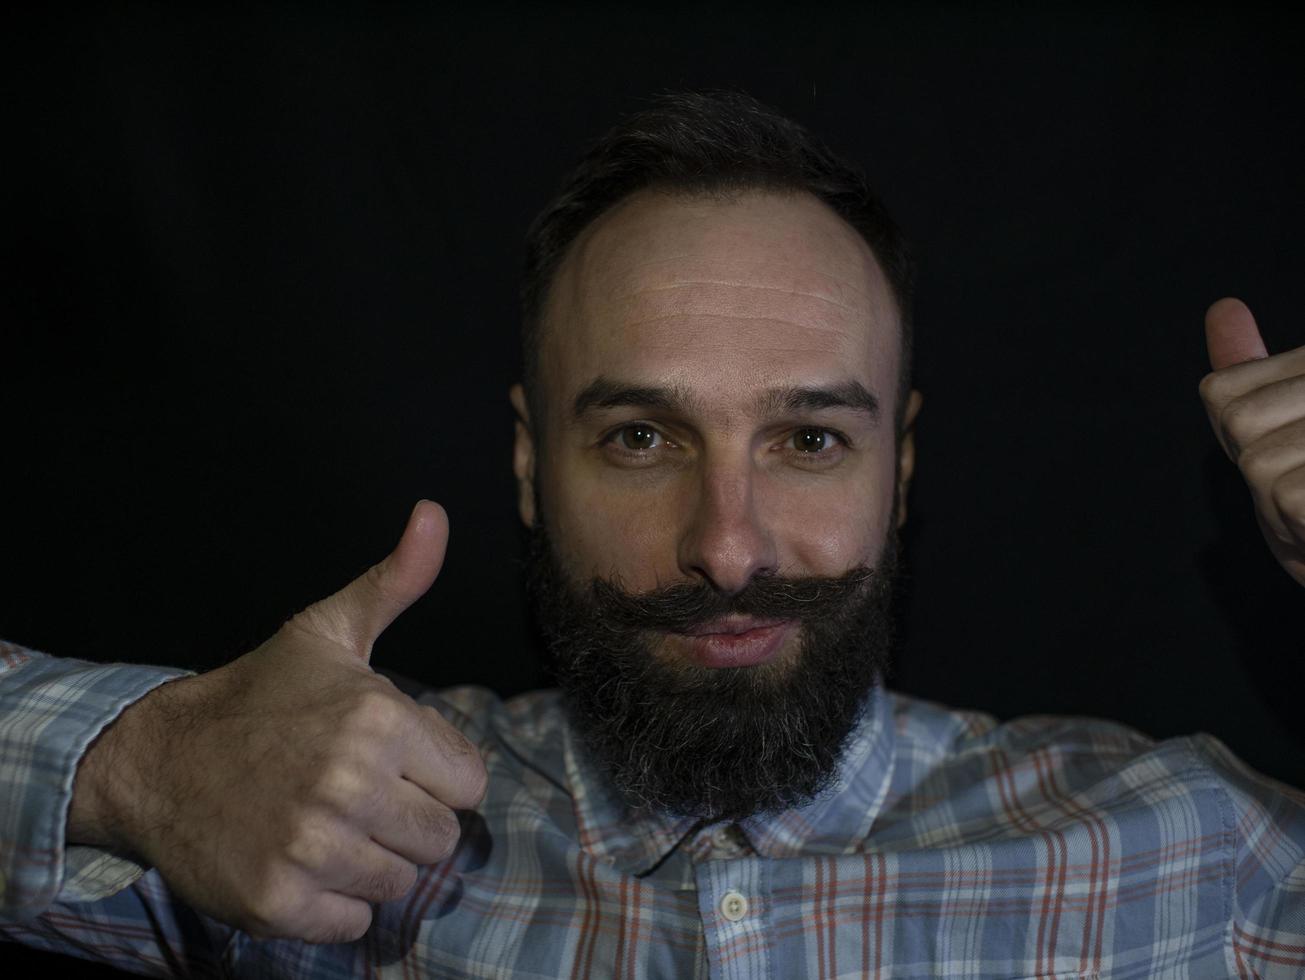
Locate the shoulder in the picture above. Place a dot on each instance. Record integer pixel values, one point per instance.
(935, 737)
(1081, 765)
(937, 731)
(1268, 828)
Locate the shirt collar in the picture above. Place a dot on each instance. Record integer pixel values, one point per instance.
(837, 822)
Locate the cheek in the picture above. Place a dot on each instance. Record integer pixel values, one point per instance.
(828, 533)
(614, 530)
(828, 527)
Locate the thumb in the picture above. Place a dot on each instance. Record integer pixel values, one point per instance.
(359, 613)
(1231, 335)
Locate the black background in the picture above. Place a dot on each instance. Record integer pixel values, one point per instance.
(261, 270)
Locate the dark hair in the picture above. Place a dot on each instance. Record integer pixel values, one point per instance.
(708, 143)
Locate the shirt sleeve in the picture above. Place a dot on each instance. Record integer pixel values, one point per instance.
(1268, 823)
(51, 710)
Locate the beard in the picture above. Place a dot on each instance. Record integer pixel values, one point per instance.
(724, 743)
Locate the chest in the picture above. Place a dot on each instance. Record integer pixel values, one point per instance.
(1075, 903)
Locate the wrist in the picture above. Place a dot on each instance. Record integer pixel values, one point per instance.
(116, 787)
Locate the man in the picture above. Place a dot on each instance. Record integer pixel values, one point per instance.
(714, 448)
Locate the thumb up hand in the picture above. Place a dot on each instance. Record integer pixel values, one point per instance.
(356, 616)
(286, 791)
(1256, 405)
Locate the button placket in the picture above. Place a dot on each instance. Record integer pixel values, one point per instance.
(733, 901)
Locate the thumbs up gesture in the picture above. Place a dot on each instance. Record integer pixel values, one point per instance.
(286, 791)
(1256, 405)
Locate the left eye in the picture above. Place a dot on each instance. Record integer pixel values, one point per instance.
(640, 437)
(812, 440)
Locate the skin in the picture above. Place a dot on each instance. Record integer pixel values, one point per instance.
(1256, 406)
(285, 791)
(718, 304)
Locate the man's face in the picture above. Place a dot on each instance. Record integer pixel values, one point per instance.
(718, 381)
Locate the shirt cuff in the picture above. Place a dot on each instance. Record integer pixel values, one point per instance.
(51, 710)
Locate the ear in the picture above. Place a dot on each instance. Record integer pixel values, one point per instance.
(906, 457)
(523, 456)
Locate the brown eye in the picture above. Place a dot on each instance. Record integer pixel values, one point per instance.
(810, 440)
(639, 437)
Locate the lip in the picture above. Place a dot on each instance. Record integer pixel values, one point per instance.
(732, 626)
(742, 642)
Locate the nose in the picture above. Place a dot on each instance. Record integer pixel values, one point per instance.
(725, 540)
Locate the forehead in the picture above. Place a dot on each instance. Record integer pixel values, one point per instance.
(721, 297)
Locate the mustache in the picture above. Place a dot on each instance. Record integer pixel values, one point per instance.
(679, 608)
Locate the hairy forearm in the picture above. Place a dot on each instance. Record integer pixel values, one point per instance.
(114, 792)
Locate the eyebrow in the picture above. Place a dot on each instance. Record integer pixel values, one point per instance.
(608, 393)
(605, 392)
(845, 394)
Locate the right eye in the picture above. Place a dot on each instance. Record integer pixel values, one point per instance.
(639, 437)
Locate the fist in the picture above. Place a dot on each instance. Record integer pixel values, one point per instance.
(1256, 405)
(286, 791)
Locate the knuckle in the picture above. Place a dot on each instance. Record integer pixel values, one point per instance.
(309, 847)
(439, 825)
(478, 783)
(1257, 465)
(302, 625)
(448, 842)
(273, 906)
(451, 842)
(341, 928)
(444, 850)
(386, 885)
(1214, 388)
(456, 745)
(378, 582)
(468, 780)
(375, 576)
(375, 710)
(353, 930)
(341, 787)
(463, 764)
(444, 845)
(402, 881)
(1289, 497)
(1238, 420)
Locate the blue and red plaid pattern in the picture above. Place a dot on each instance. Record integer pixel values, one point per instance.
(951, 846)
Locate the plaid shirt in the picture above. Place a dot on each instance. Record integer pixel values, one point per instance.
(951, 846)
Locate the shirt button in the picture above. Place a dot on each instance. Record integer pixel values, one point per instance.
(733, 906)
